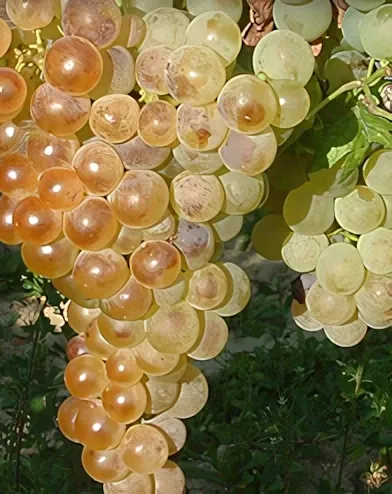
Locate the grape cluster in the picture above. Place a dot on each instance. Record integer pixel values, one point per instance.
(126, 161)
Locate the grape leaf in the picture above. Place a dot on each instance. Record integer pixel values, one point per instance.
(357, 155)
(377, 129)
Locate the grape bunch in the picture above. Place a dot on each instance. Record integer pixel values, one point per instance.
(126, 161)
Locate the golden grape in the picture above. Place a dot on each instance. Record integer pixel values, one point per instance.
(150, 69)
(8, 233)
(80, 318)
(13, 91)
(122, 368)
(17, 176)
(104, 466)
(125, 404)
(85, 376)
(157, 124)
(30, 14)
(121, 334)
(61, 188)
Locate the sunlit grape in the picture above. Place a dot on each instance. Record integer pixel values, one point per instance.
(294, 104)
(165, 26)
(73, 65)
(150, 69)
(347, 335)
(374, 298)
(8, 233)
(243, 194)
(152, 362)
(127, 240)
(137, 155)
(66, 286)
(13, 92)
(95, 429)
(66, 416)
(239, 292)
(30, 14)
(145, 449)
(251, 155)
(61, 188)
(207, 287)
(104, 466)
(217, 31)
(375, 250)
(376, 171)
(52, 260)
(160, 395)
(17, 177)
(173, 429)
(140, 199)
(5, 37)
(80, 318)
(85, 376)
(100, 274)
(233, 8)
(122, 368)
(173, 329)
(121, 334)
(133, 31)
(329, 309)
(155, 264)
(58, 112)
(163, 230)
(196, 242)
(268, 236)
(170, 478)
(157, 124)
(195, 75)
(196, 161)
(36, 222)
(125, 404)
(76, 346)
(301, 252)
(375, 320)
(303, 319)
(10, 137)
(115, 117)
(165, 297)
(99, 21)
(96, 344)
(212, 338)
(92, 225)
(329, 181)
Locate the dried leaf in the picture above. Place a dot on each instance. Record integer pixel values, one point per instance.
(261, 21)
(340, 10)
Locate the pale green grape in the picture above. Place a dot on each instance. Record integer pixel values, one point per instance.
(301, 252)
(165, 26)
(308, 213)
(376, 32)
(375, 321)
(233, 8)
(243, 194)
(329, 181)
(171, 295)
(351, 28)
(374, 299)
(284, 55)
(239, 291)
(228, 227)
(361, 211)
(387, 223)
(347, 335)
(334, 310)
(196, 161)
(294, 104)
(269, 235)
(149, 5)
(310, 19)
(303, 319)
(217, 31)
(340, 269)
(377, 171)
(343, 67)
(365, 5)
(376, 250)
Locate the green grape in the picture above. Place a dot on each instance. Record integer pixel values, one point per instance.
(96, 344)
(365, 5)
(217, 31)
(149, 5)
(387, 223)
(104, 466)
(288, 172)
(135, 482)
(163, 230)
(120, 334)
(284, 55)
(157, 124)
(79, 318)
(375, 249)
(377, 171)
(122, 368)
(301, 252)
(212, 339)
(294, 104)
(228, 227)
(66, 286)
(127, 240)
(165, 26)
(345, 66)
(268, 236)
(346, 335)
(308, 213)
(310, 19)
(330, 309)
(125, 404)
(375, 320)
(243, 194)
(351, 28)
(376, 32)
(340, 270)
(196, 161)
(374, 298)
(171, 295)
(303, 319)
(329, 181)
(232, 8)
(238, 294)
(361, 211)
(160, 395)
(8, 232)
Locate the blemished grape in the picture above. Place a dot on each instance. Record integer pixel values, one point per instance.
(155, 264)
(5, 37)
(127, 240)
(375, 250)
(196, 161)
(92, 225)
(217, 31)
(157, 124)
(207, 287)
(375, 31)
(66, 286)
(165, 26)
(13, 92)
(150, 69)
(80, 318)
(61, 188)
(76, 346)
(8, 232)
(99, 21)
(104, 466)
(350, 28)
(141, 199)
(122, 368)
(233, 8)
(58, 112)
(73, 65)
(125, 404)
(30, 14)
(114, 117)
(123, 78)
(202, 128)
(376, 171)
(121, 334)
(17, 177)
(301, 252)
(195, 75)
(100, 274)
(152, 362)
(160, 395)
(85, 377)
(137, 155)
(375, 321)
(96, 343)
(346, 335)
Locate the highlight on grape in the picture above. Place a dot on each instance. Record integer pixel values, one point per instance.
(134, 137)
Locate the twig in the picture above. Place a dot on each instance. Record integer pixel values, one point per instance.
(343, 457)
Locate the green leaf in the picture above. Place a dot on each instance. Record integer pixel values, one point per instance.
(377, 129)
(358, 154)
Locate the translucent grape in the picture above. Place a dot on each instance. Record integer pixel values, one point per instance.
(251, 155)
(347, 335)
(376, 171)
(243, 194)
(174, 431)
(96, 343)
(173, 329)
(145, 449)
(92, 225)
(284, 55)
(195, 75)
(10, 137)
(122, 368)
(201, 128)
(133, 31)
(5, 37)
(160, 395)
(99, 167)
(140, 199)
(73, 65)
(125, 404)
(233, 8)
(269, 235)
(239, 291)
(157, 124)
(375, 250)
(79, 318)
(152, 362)
(76, 346)
(95, 429)
(361, 211)
(67, 286)
(104, 466)
(99, 21)
(228, 227)
(30, 14)
(121, 334)
(217, 31)
(61, 188)
(165, 26)
(163, 230)
(137, 155)
(196, 198)
(327, 308)
(350, 28)
(309, 19)
(66, 416)
(127, 241)
(375, 30)
(197, 162)
(123, 78)
(207, 287)
(150, 5)
(114, 117)
(8, 233)
(13, 92)
(51, 261)
(387, 223)
(150, 69)
(196, 242)
(36, 222)
(303, 319)
(85, 377)
(100, 274)
(58, 112)
(301, 252)
(17, 176)
(294, 104)
(212, 338)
